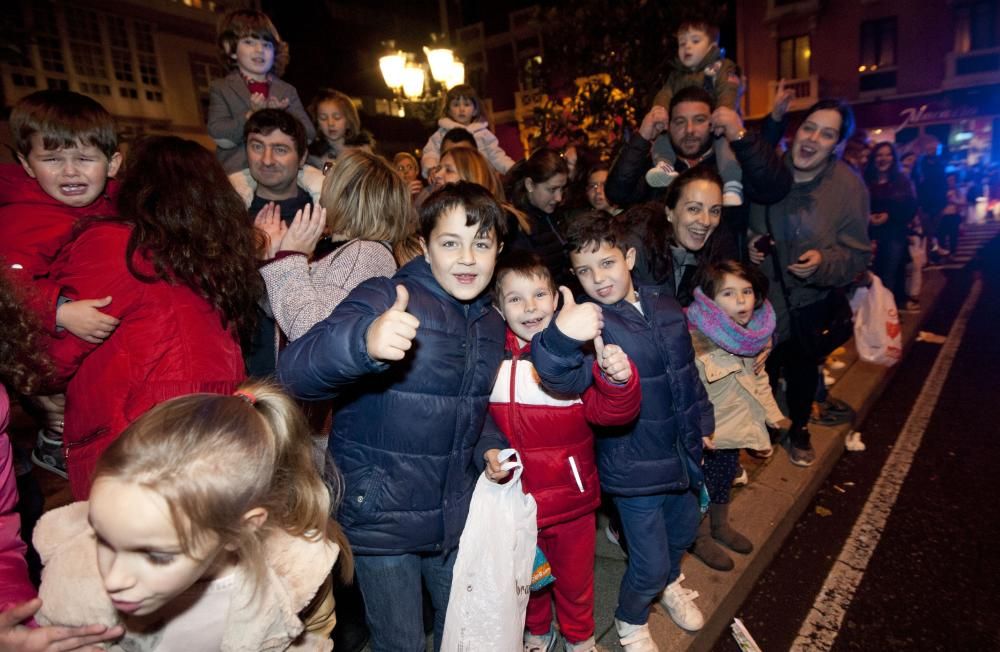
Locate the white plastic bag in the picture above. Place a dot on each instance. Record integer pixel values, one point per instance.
(491, 582)
(877, 333)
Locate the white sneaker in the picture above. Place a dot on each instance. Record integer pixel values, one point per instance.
(661, 175)
(635, 638)
(590, 645)
(679, 603)
(534, 643)
(742, 479)
(732, 193)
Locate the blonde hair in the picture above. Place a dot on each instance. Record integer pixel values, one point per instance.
(365, 198)
(213, 458)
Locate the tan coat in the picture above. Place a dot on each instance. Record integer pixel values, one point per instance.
(297, 569)
(742, 399)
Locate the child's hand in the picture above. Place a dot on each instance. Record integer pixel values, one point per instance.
(494, 472)
(613, 361)
(14, 637)
(257, 102)
(269, 221)
(306, 230)
(415, 187)
(275, 103)
(580, 321)
(782, 100)
(391, 335)
(83, 319)
(708, 442)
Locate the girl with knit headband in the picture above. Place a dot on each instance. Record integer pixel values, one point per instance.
(731, 321)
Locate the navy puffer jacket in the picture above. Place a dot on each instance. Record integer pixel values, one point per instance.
(662, 450)
(408, 436)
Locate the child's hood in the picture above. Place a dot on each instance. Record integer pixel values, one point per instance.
(448, 124)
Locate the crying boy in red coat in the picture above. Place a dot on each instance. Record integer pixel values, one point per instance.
(552, 433)
(67, 148)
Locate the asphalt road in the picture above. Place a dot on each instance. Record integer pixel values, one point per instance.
(900, 549)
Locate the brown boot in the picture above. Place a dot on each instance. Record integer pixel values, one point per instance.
(707, 550)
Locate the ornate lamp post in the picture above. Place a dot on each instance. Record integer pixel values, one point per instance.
(408, 80)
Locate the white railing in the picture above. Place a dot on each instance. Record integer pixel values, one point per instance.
(806, 91)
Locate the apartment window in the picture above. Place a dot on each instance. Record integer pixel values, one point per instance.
(203, 71)
(878, 44)
(975, 27)
(95, 88)
(128, 93)
(794, 55)
(47, 37)
(55, 84)
(24, 81)
(144, 38)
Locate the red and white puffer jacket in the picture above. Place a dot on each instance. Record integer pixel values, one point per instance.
(549, 430)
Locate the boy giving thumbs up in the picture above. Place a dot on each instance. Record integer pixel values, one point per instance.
(411, 361)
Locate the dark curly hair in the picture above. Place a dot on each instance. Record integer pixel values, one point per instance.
(23, 365)
(192, 226)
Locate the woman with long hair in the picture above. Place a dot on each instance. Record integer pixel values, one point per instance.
(179, 261)
(893, 205)
(536, 187)
(672, 241)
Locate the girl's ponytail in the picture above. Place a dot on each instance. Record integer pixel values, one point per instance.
(306, 487)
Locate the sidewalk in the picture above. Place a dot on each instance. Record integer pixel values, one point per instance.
(766, 509)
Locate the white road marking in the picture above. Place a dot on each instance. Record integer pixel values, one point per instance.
(821, 626)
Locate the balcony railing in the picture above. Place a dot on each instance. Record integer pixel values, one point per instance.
(972, 68)
(806, 91)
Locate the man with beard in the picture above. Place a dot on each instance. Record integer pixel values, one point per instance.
(692, 121)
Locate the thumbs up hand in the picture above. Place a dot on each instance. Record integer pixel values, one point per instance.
(613, 361)
(391, 335)
(580, 321)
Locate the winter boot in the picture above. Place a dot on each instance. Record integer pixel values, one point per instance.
(707, 550)
(727, 536)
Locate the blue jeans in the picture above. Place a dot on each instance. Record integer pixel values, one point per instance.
(659, 529)
(391, 586)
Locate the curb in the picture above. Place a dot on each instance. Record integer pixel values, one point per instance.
(767, 509)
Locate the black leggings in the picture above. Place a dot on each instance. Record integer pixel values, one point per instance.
(720, 468)
(801, 374)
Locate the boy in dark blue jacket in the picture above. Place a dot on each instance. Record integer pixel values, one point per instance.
(411, 361)
(650, 468)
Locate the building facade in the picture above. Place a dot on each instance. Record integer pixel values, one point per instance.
(149, 62)
(911, 70)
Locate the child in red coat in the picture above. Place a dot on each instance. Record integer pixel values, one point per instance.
(67, 148)
(553, 436)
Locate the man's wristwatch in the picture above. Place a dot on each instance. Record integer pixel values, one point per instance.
(739, 136)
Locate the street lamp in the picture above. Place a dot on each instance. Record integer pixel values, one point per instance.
(407, 78)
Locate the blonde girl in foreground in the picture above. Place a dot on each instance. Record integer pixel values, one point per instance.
(208, 528)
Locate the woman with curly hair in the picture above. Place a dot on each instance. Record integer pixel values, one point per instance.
(179, 264)
(22, 369)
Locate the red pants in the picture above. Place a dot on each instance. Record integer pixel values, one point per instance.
(569, 548)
